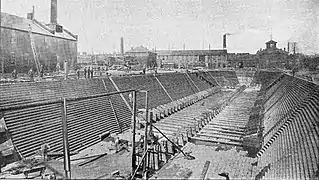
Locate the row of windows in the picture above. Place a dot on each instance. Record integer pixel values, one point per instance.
(24, 58)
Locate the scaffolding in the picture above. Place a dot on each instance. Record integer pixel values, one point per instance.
(34, 51)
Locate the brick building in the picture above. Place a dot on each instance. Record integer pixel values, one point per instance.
(191, 58)
(241, 60)
(271, 57)
(52, 43)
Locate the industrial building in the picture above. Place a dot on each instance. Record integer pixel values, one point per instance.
(241, 60)
(190, 58)
(27, 43)
(271, 56)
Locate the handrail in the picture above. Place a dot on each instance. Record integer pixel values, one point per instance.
(29, 105)
(55, 101)
(98, 95)
(192, 81)
(163, 88)
(204, 78)
(214, 78)
(112, 106)
(117, 89)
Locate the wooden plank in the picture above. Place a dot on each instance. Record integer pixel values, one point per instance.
(205, 169)
(91, 160)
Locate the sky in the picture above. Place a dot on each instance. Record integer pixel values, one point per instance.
(168, 24)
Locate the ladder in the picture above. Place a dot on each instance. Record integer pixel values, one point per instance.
(35, 54)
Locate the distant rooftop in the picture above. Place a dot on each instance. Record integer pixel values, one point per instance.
(271, 42)
(9, 21)
(191, 52)
(139, 49)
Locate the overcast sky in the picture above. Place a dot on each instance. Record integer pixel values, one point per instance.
(171, 23)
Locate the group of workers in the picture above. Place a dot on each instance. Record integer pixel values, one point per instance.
(30, 73)
(88, 73)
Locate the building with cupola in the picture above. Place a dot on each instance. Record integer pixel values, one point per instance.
(271, 57)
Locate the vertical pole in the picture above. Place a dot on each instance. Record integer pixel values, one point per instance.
(146, 124)
(1, 54)
(133, 133)
(66, 71)
(66, 151)
(150, 118)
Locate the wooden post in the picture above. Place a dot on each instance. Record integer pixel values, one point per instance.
(133, 133)
(66, 151)
(158, 156)
(66, 69)
(146, 133)
(1, 54)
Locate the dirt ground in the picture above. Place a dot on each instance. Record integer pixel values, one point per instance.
(98, 168)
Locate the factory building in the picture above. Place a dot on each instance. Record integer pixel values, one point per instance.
(27, 43)
(241, 60)
(191, 58)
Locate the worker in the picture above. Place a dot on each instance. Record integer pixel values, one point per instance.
(117, 144)
(45, 148)
(41, 71)
(294, 70)
(78, 73)
(130, 97)
(141, 143)
(152, 138)
(30, 73)
(85, 72)
(58, 67)
(92, 72)
(89, 70)
(14, 74)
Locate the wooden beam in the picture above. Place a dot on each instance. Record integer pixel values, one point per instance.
(204, 171)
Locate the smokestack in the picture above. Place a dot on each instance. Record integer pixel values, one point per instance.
(224, 41)
(54, 11)
(33, 12)
(288, 48)
(122, 46)
(31, 15)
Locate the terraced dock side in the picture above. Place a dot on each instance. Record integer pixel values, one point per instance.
(219, 143)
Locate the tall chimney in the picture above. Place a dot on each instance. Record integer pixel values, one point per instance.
(54, 11)
(224, 41)
(288, 48)
(33, 12)
(122, 46)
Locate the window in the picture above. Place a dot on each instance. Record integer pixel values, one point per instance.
(26, 58)
(13, 58)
